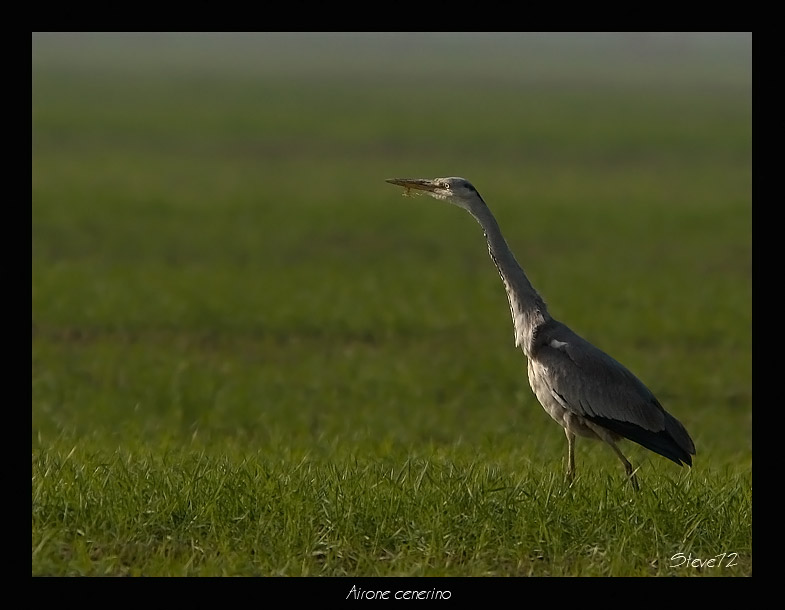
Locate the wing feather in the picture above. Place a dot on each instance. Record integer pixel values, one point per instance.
(587, 381)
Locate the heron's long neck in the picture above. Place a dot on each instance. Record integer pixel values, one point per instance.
(527, 308)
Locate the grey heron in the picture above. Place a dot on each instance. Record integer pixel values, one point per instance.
(581, 387)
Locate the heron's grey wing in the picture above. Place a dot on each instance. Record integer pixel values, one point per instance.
(587, 381)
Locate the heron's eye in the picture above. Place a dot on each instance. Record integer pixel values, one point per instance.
(446, 185)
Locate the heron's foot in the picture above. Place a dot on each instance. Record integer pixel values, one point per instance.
(631, 476)
(634, 481)
(569, 476)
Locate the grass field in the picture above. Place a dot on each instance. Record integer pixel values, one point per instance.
(252, 356)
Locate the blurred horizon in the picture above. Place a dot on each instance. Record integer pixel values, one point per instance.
(721, 57)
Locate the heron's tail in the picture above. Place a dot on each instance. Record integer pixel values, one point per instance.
(673, 442)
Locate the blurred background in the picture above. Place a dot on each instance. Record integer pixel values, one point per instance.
(216, 258)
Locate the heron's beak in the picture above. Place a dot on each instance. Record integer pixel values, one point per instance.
(417, 184)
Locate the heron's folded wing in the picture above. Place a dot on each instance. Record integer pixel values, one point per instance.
(590, 383)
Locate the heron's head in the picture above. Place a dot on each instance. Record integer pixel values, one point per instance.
(457, 191)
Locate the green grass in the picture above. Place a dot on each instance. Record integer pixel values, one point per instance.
(184, 512)
(251, 356)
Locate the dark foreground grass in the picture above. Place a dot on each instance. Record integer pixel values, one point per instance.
(251, 356)
(187, 513)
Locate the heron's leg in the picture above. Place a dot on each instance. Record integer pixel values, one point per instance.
(627, 465)
(570, 455)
